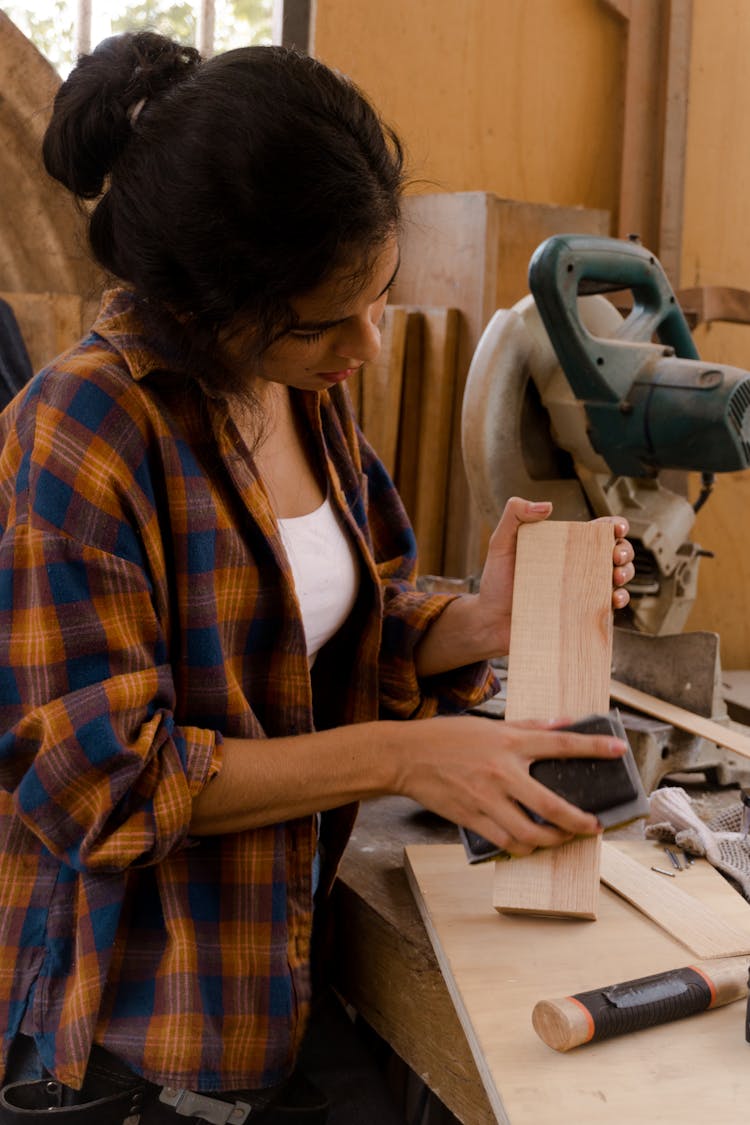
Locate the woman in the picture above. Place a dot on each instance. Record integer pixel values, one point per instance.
(210, 629)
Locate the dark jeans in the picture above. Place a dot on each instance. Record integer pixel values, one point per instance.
(335, 1067)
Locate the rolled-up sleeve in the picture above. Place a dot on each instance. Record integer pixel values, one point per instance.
(403, 693)
(99, 770)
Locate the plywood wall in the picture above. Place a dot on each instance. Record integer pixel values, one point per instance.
(716, 251)
(523, 98)
(518, 97)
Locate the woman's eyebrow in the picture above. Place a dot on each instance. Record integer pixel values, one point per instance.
(322, 325)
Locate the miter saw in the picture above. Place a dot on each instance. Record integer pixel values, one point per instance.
(571, 400)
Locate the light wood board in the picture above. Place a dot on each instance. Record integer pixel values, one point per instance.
(662, 899)
(559, 666)
(728, 737)
(498, 966)
(561, 635)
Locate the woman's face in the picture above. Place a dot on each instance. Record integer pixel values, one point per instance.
(335, 332)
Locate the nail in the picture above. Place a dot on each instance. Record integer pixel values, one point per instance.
(661, 871)
(673, 859)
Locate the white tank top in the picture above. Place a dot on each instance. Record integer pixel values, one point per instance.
(325, 569)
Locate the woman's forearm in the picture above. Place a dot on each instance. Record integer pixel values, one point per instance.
(266, 781)
(468, 769)
(459, 636)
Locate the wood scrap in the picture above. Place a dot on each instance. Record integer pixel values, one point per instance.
(681, 915)
(709, 729)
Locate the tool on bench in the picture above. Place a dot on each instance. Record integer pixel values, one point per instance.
(610, 788)
(636, 1004)
(569, 400)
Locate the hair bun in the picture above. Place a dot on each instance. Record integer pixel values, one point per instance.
(94, 108)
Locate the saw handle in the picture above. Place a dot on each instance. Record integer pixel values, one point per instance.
(636, 1004)
(580, 264)
(599, 370)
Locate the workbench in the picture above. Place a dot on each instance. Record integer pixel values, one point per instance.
(384, 962)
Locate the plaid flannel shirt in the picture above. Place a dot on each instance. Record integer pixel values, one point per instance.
(146, 610)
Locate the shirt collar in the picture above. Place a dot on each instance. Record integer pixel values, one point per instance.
(137, 332)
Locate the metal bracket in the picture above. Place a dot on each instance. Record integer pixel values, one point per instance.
(186, 1103)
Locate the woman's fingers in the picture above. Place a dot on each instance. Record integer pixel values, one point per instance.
(516, 512)
(553, 741)
(476, 772)
(502, 837)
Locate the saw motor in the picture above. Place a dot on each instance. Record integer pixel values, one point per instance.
(570, 400)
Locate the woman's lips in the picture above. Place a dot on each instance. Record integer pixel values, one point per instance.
(337, 376)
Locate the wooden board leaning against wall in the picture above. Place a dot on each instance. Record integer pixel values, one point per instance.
(470, 251)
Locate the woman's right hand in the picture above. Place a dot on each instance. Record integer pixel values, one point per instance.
(475, 772)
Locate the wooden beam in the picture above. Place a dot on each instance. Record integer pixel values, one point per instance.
(559, 666)
(704, 304)
(712, 731)
(376, 390)
(674, 145)
(435, 434)
(654, 124)
(642, 121)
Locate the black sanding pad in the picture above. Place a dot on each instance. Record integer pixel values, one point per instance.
(610, 788)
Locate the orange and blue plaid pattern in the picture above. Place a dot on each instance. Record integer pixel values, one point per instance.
(146, 610)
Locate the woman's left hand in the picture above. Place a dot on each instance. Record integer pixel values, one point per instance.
(496, 585)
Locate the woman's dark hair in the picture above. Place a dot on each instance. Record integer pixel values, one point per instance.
(226, 186)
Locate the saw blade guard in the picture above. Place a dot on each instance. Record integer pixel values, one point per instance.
(523, 431)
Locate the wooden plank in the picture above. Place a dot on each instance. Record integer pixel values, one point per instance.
(407, 453)
(471, 251)
(563, 882)
(728, 737)
(663, 901)
(676, 96)
(654, 144)
(561, 634)
(559, 666)
(376, 390)
(439, 341)
(705, 304)
(498, 966)
(643, 122)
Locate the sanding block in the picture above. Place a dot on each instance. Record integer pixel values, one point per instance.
(611, 788)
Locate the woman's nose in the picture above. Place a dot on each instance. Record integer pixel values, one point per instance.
(358, 340)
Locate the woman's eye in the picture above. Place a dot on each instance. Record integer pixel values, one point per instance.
(309, 337)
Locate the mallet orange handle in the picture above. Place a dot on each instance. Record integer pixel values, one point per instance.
(635, 1004)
